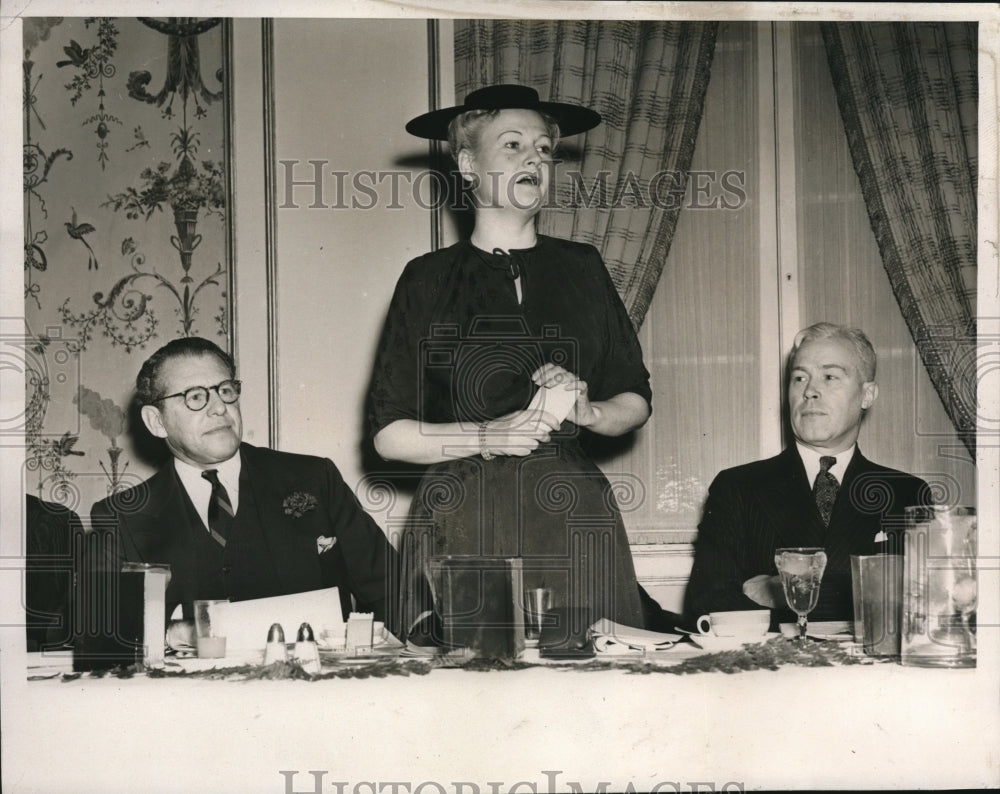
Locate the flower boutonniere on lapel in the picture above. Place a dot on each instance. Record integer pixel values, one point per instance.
(298, 504)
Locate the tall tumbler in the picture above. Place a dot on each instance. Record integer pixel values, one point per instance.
(478, 601)
(877, 582)
(123, 616)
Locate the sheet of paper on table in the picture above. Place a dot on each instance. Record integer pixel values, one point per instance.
(245, 623)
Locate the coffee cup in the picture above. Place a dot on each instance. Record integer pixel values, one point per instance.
(742, 623)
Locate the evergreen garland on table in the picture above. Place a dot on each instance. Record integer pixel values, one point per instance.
(770, 655)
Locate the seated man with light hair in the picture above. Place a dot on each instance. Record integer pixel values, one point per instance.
(820, 491)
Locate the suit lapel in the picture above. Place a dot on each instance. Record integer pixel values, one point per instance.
(162, 530)
(259, 506)
(166, 520)
(850, 523)
(788, 500)
(292, 557)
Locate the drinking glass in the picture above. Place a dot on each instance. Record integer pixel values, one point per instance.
(801, 571)
(537, 601)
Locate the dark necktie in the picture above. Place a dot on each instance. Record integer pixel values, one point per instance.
(825, 488)
(220, 509)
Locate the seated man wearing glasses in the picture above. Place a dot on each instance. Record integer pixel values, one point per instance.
(234, 520)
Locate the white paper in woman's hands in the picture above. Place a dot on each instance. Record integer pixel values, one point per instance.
(556, 400)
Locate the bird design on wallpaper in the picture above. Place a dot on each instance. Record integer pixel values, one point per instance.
(64, 446)
(77, 56)
(77, 231)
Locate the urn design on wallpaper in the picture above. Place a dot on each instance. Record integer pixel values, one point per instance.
(140, 256)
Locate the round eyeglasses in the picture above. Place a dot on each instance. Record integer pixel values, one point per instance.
(196, 398)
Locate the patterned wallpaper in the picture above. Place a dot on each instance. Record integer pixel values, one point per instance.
(124, 234)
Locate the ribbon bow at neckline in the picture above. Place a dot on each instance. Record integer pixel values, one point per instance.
(511, 262)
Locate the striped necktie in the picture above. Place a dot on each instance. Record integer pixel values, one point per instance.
(220, 509)
(825, 488)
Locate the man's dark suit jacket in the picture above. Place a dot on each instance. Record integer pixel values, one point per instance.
(272, 551)
(51, 531)
(756, 508)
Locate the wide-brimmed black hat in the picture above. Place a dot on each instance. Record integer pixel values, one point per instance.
(572, 119)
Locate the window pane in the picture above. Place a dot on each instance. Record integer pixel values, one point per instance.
(701, 335)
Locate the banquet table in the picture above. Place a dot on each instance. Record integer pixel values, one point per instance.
(540, 728)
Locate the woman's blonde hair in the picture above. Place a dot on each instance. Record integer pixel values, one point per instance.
(466, 128)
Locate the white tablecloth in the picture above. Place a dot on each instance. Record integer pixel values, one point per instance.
(535, 730)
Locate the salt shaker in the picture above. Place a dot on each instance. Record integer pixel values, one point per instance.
(306, 650)
(275, 650)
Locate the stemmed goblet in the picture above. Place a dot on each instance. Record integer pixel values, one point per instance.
(801, 570)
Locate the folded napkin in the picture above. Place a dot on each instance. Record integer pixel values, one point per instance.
(821, 630)
(612, 638)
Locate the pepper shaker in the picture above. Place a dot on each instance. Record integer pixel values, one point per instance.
(306, 650)
(275, 650)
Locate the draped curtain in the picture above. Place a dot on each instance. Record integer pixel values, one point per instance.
(908, 98)
(623, 189)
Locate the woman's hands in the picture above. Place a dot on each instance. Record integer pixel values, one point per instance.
(518, 433)
(584, 413)
(611, 417)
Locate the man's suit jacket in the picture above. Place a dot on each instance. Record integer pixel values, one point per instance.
(756, 508)
(51, 533)
(286, 501)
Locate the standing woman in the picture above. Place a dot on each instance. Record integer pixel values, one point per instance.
(473, 331)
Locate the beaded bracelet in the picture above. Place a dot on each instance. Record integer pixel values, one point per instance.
(483, 450)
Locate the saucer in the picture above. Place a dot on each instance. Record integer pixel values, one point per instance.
(710, 642)
(840, 630)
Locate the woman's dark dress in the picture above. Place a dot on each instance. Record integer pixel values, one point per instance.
(457, 346)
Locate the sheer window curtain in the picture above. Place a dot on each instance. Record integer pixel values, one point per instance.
(908, 96)
(648, 81)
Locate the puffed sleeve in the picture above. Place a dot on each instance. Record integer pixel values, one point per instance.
(623, 369)
(394, 392)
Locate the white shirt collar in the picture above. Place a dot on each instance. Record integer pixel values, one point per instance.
(200, 490)
(810, 459)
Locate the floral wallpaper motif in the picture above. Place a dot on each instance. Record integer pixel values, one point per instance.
(94, 64)
(125, 213)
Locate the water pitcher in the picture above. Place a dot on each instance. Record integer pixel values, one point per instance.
(939, 587)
